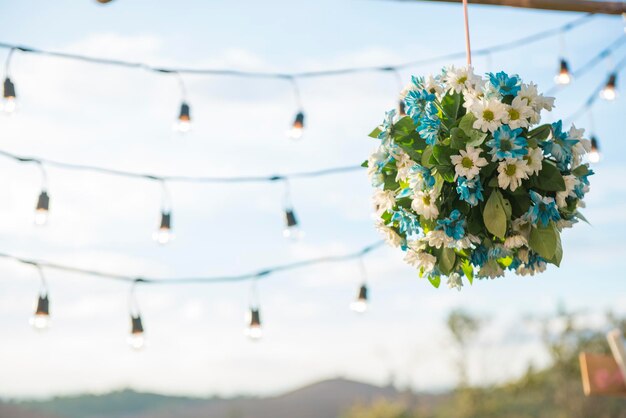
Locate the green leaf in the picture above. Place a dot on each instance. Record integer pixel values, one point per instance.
(581, 217)
(558, 254)
(458, 139)
(543, 240)
(442, 154)
(450, 105)
(403, 127)
(446, 172)
(390, 183)
(375, 132)
(446, 260)
(549, 178)
(494, 215)
(580, 171)
(541, 132)
(426, 156)
(365, 164)
(468, 270)
(475, 137)
(435, 281)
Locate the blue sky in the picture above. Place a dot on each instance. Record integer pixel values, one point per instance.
(121, 118)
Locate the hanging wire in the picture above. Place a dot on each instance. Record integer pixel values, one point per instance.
(363, 270)
(133, 302)
(305, 74)
(7, 63)
(181, 86)
(184, 179)
(166, 197)
(296, 93)
(263, 273)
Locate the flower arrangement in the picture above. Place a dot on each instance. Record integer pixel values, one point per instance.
(469, 184)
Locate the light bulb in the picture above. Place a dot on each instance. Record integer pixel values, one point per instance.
(609, 92)
(564, 76)
(401, 108)
(594, 156)
(164, 234)
(136, 339)
(292, 229)
(42, 208)
(9, 104)
(41, 318)
(360, 304)
(253, 330)
(183, 124)
(297, 129)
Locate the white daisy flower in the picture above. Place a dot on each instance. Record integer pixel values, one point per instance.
(570, 183)
(460, 79)
(524, 270)
(421, 260)
(384, 200)
(372, 166)
(515, 241)
(404, 163)
(489, 114)
(455, 281)
(518, 113)
(523, 254)
(562, 224)
(424, 204)
(533, 161)
(467, 241)
(535, 100)
(433, 85)
(438, 239)
(468, 163)
(391, 237)
(511, 172)
(491, 270)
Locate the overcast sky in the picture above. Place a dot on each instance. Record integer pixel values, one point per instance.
(121, 118)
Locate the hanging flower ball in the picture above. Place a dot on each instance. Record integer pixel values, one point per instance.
(469, 184)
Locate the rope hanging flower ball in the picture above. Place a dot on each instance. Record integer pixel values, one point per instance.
(469, 183)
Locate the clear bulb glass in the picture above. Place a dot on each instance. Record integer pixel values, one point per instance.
(254, 332)
(41, 216)
(359, 306)
(182, 126)
(163, 235)
(295, 132)
(608, 93)
(594, 156)
(137, 340)
(40, 321)
(563, 78)
(9, 105)
(293, 232)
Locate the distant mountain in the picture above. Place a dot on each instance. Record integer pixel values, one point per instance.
(18, 411)
(326, 399)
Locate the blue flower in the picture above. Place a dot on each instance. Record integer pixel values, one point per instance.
(429, 128)
(479, 256)
(505, 84)
(470, 191)
(416, 102)
(543, 210)
(497, 252)
(385, 133)
(429, 180)
(408, 223)
(515, 264)
(507, 144)
(560, 146)
(454, 226)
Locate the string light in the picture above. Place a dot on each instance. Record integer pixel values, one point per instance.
(594, 156)
(400, 85)
(9, 97)
(41, 319)
(609, 91)
(164, 234)
(137, 338)
(564, 76)
(42, 208)
(297, 128)
(292, 229)
(253, 328)
(359, 305)
(183, 123)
